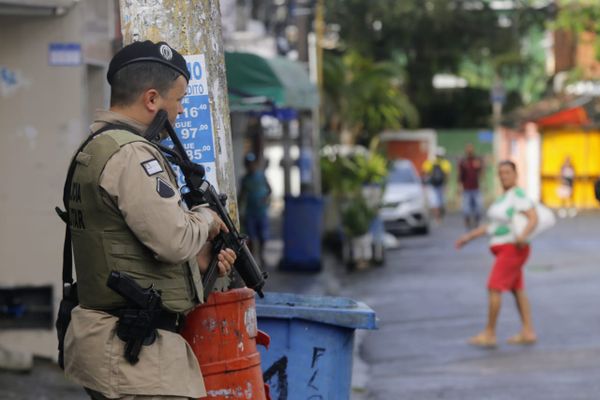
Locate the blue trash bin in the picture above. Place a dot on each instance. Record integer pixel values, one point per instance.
(302, 221)
(312, 338)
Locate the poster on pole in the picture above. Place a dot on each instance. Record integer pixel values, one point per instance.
(194, 126)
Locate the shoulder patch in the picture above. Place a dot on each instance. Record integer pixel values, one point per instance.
(152, 167)
(164, 189)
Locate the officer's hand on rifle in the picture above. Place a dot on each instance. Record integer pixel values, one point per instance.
(217, 226)
(226, 259)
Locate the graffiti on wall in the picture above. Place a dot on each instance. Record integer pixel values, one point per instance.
(10, 81)
(278, 370)
(314, 388)
(277, 378)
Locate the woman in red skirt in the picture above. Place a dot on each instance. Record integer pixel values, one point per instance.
(511, 249)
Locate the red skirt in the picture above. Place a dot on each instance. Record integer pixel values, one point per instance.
(507, 272)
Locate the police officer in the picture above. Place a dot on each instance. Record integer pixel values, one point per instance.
(126, 214)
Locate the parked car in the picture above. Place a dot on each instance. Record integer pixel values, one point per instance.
(405, 207)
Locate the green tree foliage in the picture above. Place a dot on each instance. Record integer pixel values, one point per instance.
(522, 71)
(346, 170)
(357, 217)
(580, 16)
(364, 97)
(439, 36)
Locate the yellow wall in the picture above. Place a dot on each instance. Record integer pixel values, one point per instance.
(584, 150)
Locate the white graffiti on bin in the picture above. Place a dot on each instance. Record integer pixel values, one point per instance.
(250, 322)
(238, 392)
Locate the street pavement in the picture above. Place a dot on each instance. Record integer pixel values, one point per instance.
(430, 298)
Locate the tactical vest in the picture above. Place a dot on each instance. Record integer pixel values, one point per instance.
(103, 242)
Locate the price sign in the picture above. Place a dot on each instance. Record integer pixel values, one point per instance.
(194, 126)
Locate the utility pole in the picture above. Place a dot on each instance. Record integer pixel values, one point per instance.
(497, 97)
(193, 28)
(311, 143)
(318, 115)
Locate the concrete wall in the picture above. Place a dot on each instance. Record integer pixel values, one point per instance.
(523, 148)
(42, 112)
(454, 142)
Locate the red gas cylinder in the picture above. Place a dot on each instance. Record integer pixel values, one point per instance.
(223, 334)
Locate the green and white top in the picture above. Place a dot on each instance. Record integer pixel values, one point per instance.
(501, 226)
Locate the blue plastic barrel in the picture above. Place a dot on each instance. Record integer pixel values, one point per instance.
(302, 225)
(312, 338)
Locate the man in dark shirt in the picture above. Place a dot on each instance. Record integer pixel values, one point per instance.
(469, 171)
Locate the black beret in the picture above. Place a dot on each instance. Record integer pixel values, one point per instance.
(147, 51)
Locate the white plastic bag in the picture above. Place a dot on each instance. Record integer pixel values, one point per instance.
(546, 220)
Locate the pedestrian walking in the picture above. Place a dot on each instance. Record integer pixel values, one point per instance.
(469, 172)
(436, 176)
(511, 249)
(565, 189)
(126, 214)
(254, 199)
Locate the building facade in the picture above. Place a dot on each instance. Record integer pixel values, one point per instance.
(54, 56)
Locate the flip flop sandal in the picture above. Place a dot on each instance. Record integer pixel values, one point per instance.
(520, 340)
(482, 342)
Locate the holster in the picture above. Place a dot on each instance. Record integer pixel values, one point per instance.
(69, 301)
(136, 324)
(137, 328)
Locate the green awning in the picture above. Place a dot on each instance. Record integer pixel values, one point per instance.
(281, 81)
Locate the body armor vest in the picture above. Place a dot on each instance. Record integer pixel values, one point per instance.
(103, 242)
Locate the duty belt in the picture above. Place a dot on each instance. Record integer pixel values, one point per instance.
(167, 320)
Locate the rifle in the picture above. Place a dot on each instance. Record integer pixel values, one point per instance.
(137, 324)
(200, 191)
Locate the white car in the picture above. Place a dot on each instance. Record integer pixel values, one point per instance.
(405, 207)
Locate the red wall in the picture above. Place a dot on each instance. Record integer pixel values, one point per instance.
(414, 150)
